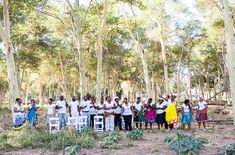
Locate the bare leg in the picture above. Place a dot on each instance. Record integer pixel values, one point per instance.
(199, 125)
(204, 125)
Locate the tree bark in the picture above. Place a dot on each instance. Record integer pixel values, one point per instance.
(11, 68)
(164, 60)
(178, 76)
(100, 52)
(77, 25)
(229, 38)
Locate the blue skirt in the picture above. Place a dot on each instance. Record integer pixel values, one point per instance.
(186, 117)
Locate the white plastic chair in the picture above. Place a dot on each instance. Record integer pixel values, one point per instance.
(54, 125)
(73, 121)
(82, 122)
(99, 123)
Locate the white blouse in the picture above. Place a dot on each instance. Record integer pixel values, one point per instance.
(127, 109)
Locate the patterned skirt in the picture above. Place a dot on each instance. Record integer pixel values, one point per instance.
(150, 116)
(19, 121)
(201, 116)
(139, 116)
(186, 118)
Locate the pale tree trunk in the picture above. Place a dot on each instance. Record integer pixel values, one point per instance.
(11, 68)
(40, 95)
(64, 80)
(189, 74)
(164, 60)
(100, 52)
(178, 76)
(145, 71)
(77, 25)
(80, 51)
(140, 49)
(229, 38)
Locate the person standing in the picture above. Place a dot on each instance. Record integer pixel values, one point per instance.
(109, 114)
(32, 113)
(61, 105)
(150, 113)
(171, 113)
(85, 107)
(186, 114)
(139, 114)
(201, 115)
(19, 114)
(100, 109)
(50, 110)
(73, 107)
(92, 112)
(161, 115)
(117, 114)
(127, 114)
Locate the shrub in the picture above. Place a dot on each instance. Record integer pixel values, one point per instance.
(228, 149)
(135, 135)
(183, 143)
(59, 141)
(112, 138)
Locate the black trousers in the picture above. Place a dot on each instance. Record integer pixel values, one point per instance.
(92, 120)
(118, 121)
(128, 122)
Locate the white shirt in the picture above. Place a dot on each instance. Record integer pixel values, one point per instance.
(138, 106)
(101, 111)
(118, 109)
(127, 109)
(109, 105)
(87, 104)
(202, 105)
(186, 108)
(160, 111)
(61, 104)
(92, 110)
(168, 102)
(51, 109)
(73, 106)
(19, 108)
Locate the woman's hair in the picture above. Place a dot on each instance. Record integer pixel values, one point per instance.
(17, 99)
(51, 99)
(187, 102)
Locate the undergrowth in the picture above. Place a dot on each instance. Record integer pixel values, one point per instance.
(183, 143)
(40, 138)
(135, 135)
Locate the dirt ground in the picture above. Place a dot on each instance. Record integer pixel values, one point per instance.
(152, 144)
(218, 135)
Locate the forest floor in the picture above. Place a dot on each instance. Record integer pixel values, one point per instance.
(218, 134)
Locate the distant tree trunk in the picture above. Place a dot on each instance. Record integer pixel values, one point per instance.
(178, 76)
(229, 38)
(64, 80)
(164, 60)
(145, 71)
(11, 68)
(77, 25)
(140, 49)
(100, 52)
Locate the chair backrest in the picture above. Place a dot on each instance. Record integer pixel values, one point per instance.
(72, 120)
(82, 119)
(54, 120)
(98, 118)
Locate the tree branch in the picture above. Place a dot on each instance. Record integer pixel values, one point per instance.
(51, 15)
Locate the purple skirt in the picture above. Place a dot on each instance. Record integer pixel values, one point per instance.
(202, 116)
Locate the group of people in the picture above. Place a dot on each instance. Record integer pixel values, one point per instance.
(163, 113)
